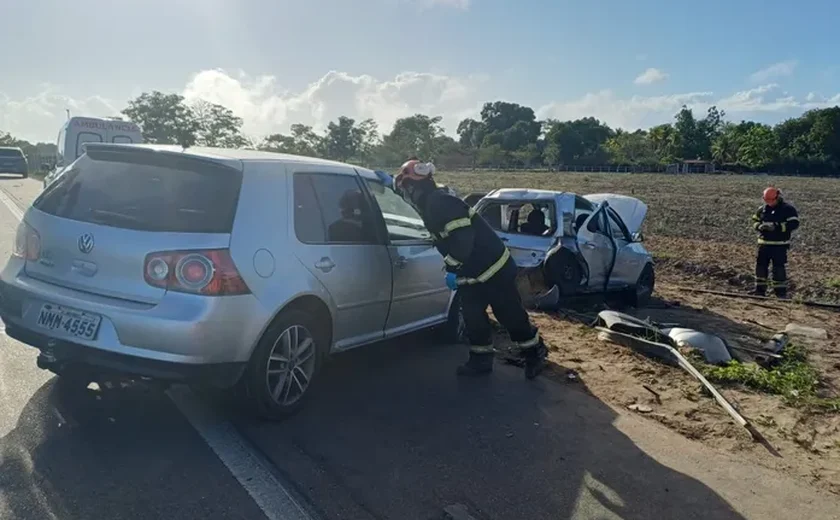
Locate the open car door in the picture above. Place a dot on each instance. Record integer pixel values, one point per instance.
(597, 248)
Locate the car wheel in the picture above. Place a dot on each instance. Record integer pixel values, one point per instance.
(284, 365)
(563, 270)
(454, 331)
(641, 293)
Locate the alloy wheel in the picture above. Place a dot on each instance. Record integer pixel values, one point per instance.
(291, 365)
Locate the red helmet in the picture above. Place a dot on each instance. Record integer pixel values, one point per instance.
(413, 170)
(771, 195)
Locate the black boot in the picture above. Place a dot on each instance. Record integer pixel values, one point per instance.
(535, 359)
(478, 364)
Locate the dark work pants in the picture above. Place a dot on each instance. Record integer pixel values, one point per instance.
(501, 294)
(778, 256)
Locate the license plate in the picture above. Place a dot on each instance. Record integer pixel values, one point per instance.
(73, 322)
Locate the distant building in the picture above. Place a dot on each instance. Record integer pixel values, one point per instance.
(691, 166)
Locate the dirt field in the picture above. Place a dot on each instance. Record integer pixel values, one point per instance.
(698, 229)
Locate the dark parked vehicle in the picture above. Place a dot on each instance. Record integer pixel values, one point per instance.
(12, 160)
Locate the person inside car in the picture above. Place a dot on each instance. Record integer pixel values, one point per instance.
(535, 224)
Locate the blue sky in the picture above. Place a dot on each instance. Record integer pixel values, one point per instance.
(277, 62)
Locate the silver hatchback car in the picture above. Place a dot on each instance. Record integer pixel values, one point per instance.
(219, 266)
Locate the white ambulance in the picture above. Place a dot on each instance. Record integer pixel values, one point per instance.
(80, 130)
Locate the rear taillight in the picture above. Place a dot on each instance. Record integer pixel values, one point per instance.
(208, 272)
(27, 242)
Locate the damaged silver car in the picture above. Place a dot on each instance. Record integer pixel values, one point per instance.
(567, 244)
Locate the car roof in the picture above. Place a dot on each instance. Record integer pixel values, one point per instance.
(523, 194)
(222, 154)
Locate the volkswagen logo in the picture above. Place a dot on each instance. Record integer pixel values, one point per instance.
(86, 243)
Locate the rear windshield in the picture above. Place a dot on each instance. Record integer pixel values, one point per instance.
(147, 192)
(10, 152)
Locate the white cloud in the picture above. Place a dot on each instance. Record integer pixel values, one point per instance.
(646, 111)
(633, 112)
(650, 76)
(39, 117)
(266, 107)
(777, 70)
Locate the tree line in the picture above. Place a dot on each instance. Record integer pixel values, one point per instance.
(509, 135)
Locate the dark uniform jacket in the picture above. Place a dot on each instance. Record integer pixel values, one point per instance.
(470, 247)
(784, 218)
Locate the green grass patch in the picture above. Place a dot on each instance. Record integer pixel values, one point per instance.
(793, 378)
(833, 283)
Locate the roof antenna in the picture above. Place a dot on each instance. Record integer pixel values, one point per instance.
(68, 113)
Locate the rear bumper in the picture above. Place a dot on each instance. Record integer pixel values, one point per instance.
(180, 330)
(69, 354)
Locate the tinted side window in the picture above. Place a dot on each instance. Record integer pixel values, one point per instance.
(309, 225)
(345, 216)
(402, 221)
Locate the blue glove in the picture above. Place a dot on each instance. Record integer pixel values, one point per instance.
(386, 179)
(450, 281)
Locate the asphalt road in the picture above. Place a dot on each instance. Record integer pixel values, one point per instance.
(388, 432)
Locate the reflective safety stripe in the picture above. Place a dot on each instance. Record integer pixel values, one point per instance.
(784, 227)
(533, 342)
(486, 275)
(791, 219)
(756, 218)
(773, 242)
(756, 225)
(458, 223)
(451, 261)
(481, 349)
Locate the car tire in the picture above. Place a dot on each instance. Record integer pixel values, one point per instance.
(563, 270)
(640, 294)
(284, 366)
(453, 331)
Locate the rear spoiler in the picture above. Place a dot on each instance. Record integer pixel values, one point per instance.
(174, 157)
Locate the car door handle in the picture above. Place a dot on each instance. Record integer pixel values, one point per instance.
(589, 245)
(401, 262)
(325, 264)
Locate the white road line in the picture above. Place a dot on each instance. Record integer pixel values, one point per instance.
(240, 459)
(12, 205)
(269, 494)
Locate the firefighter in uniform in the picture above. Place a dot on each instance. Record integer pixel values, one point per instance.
(774, 221)
(478, 266)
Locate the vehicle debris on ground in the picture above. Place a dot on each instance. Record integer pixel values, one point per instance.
(647, 338)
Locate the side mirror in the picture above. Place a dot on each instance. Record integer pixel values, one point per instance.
(638, 237)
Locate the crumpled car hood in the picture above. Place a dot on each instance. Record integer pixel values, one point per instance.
(631, 210)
